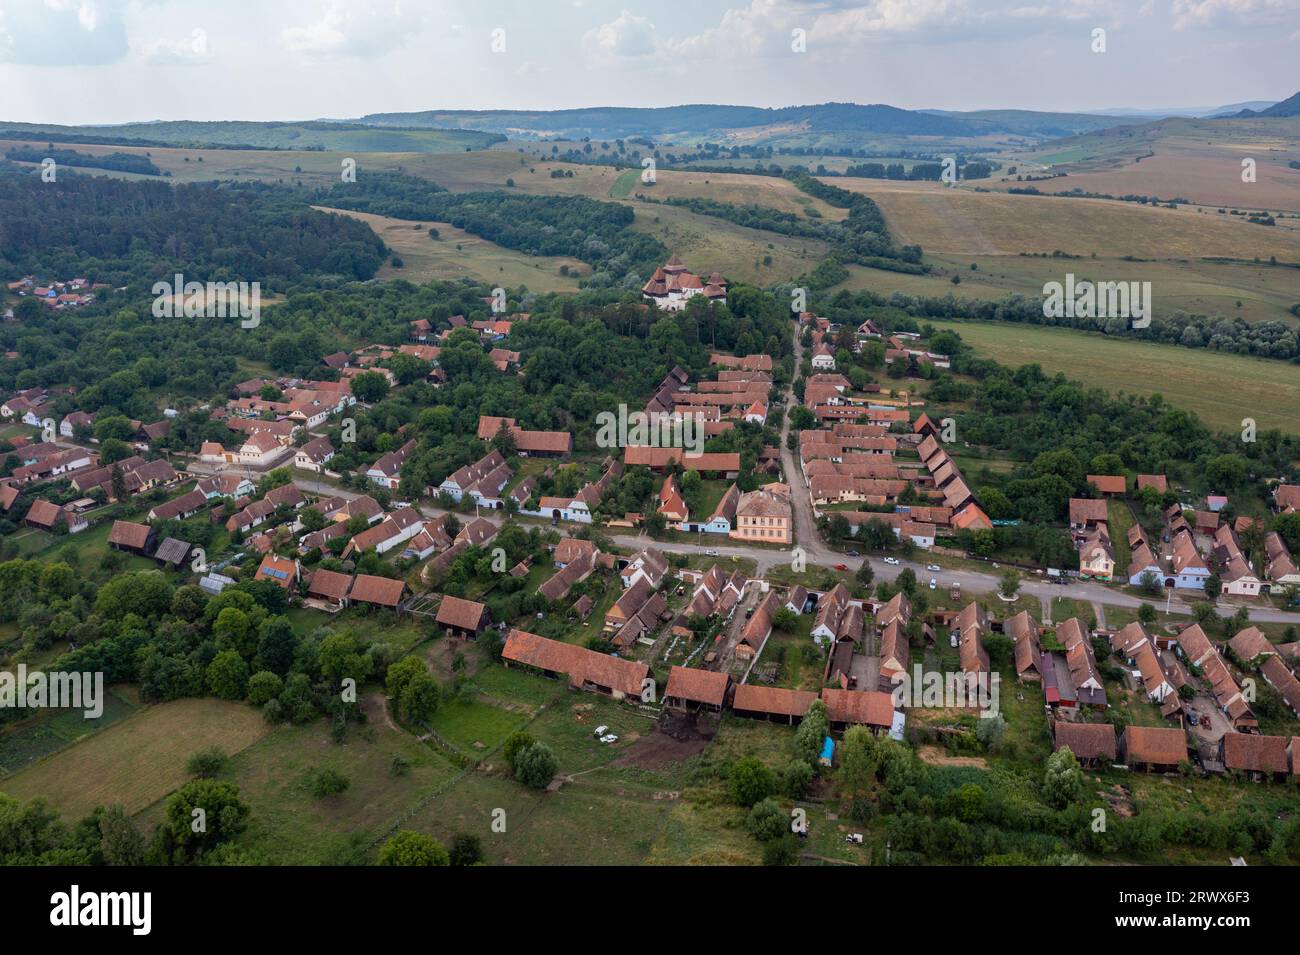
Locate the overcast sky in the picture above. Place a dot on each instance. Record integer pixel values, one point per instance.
(109, 61)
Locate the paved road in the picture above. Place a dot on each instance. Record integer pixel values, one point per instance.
(817, 551)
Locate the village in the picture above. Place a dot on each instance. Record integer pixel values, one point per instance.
(702, 603)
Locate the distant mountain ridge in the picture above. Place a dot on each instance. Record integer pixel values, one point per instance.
(1288, 107)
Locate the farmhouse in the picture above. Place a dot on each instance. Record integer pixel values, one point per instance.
(377, 591)
(869, 708)
(1260, 758)
(540, 444)
(279, 569)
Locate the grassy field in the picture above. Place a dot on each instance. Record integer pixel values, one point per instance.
(51, 730)
(709, 244)
(1198, 160)
(457, 254)
(1223, 389)
(1255, 292)
(963, 222)
(138, 760)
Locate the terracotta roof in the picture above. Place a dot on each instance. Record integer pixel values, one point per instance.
(772, 699)
(43, 513)
(579, 664)
(1249, 644)
(1086, 510)
(329, 584)
(459, 613)
(1108, 483)
(1251, 753)
(377, 590)
(1154, 744)
(129, 534)
(1156, 481)
(697, 686)
(1087, 740)
(868, 707)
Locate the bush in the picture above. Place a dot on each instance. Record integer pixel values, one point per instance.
(514, 745)
(466, 850)
(750, 781)
(767, 821)
(796, 779)
(412, 848)
(328, 782)
(783, 851)
(535, 766)
(207, 763)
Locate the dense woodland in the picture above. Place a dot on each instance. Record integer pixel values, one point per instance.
(598, 233)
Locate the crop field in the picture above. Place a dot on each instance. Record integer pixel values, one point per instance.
(1221, 388)
(1255, 292)
(457, 254)
(138, 760)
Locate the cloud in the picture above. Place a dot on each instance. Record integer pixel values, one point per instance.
(188, 51)
(63, 32)
(356, 28)
(1189, 14)
(625, 36)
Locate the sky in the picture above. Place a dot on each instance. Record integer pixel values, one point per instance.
(113, 61)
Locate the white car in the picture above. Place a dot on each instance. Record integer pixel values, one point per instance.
(601, 730)
(710, 553)
(933, 568)
(934, 584)
(892, 560)
(609, 738)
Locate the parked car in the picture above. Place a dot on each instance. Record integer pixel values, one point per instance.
(710, 553)
(601, 730)
(933, 568)
(841, 566)
(934, 584)
(892, 560)
(609, 738)
(853, 553)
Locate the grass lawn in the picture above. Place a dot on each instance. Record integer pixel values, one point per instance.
(1221, 388)
(474, 727)
(292, 827)
(140, 759)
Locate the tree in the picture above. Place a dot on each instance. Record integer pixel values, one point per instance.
(1146, 614)
(200, 816)
(865, 574)
(466, 849)
(750, 781)
(515, 744)
(785, 620)
(783, 851)
(120, 842)
(421, 697)
(811, 734)
(1063, 782)
(412, 848)
(796, 779)
(400, 675)
(370, 387)
(1213, 587)
(264, 686)
(1009, 585)
(227, 675)
(536, 765)
(767, 820)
